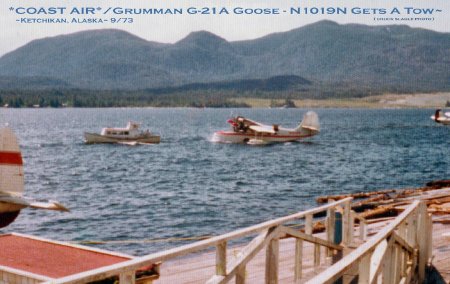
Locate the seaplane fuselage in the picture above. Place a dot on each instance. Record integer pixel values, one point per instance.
(251, 132)
(237, 137)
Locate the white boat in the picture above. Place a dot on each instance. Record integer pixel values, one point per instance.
(254, 133)
(441, 117)
(130, 135)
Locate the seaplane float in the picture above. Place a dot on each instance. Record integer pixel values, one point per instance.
(130, 135)
(12, 199)
(251, 132)
(441, 117)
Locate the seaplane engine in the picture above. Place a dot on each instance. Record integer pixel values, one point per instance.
(8, 217)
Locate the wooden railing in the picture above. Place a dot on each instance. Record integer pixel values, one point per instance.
(398, 253)
(268, 235)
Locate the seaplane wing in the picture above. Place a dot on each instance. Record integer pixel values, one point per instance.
(12, 181)
(16, 200)
(22, 202)
(262, 129)
(50, 205)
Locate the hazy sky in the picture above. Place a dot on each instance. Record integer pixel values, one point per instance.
(171, 28)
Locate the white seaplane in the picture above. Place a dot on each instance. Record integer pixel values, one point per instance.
(254, 133)
(130, 135)
(441, 117)
(12, 182)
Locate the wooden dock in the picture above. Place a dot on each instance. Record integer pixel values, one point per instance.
(199, 268)
(387, 237)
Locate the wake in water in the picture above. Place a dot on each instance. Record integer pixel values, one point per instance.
(135, 143)
(51, 144)
(217, 139)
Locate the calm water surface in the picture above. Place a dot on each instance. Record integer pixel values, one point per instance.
(187, 186)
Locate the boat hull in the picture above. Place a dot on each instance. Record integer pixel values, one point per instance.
(244, 138)
(442, 120)
(93, 138)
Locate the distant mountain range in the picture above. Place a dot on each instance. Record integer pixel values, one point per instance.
(324, 53)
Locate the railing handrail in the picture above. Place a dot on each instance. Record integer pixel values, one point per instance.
(138, 262)
(336, 270)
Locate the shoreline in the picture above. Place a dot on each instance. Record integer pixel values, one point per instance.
(385, 101)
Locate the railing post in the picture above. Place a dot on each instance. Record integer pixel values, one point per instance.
(364, 270)
(330, 226)
(411, 233)
(221, 259)
(351, 227)
(316, 255)
(272, 257)
(128, 277)
(240, 275)
(309, 231)
(430, 236)
(403, 254)
(411, 237)
(388, 262)
(346, 224)
(308, 224)
(397, 262)
(362, 230)
(298, 260)
(422, 227)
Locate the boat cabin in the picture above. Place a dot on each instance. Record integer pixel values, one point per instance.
(132, 129)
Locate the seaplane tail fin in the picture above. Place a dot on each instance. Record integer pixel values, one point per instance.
(11, 163)
(310, 124)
